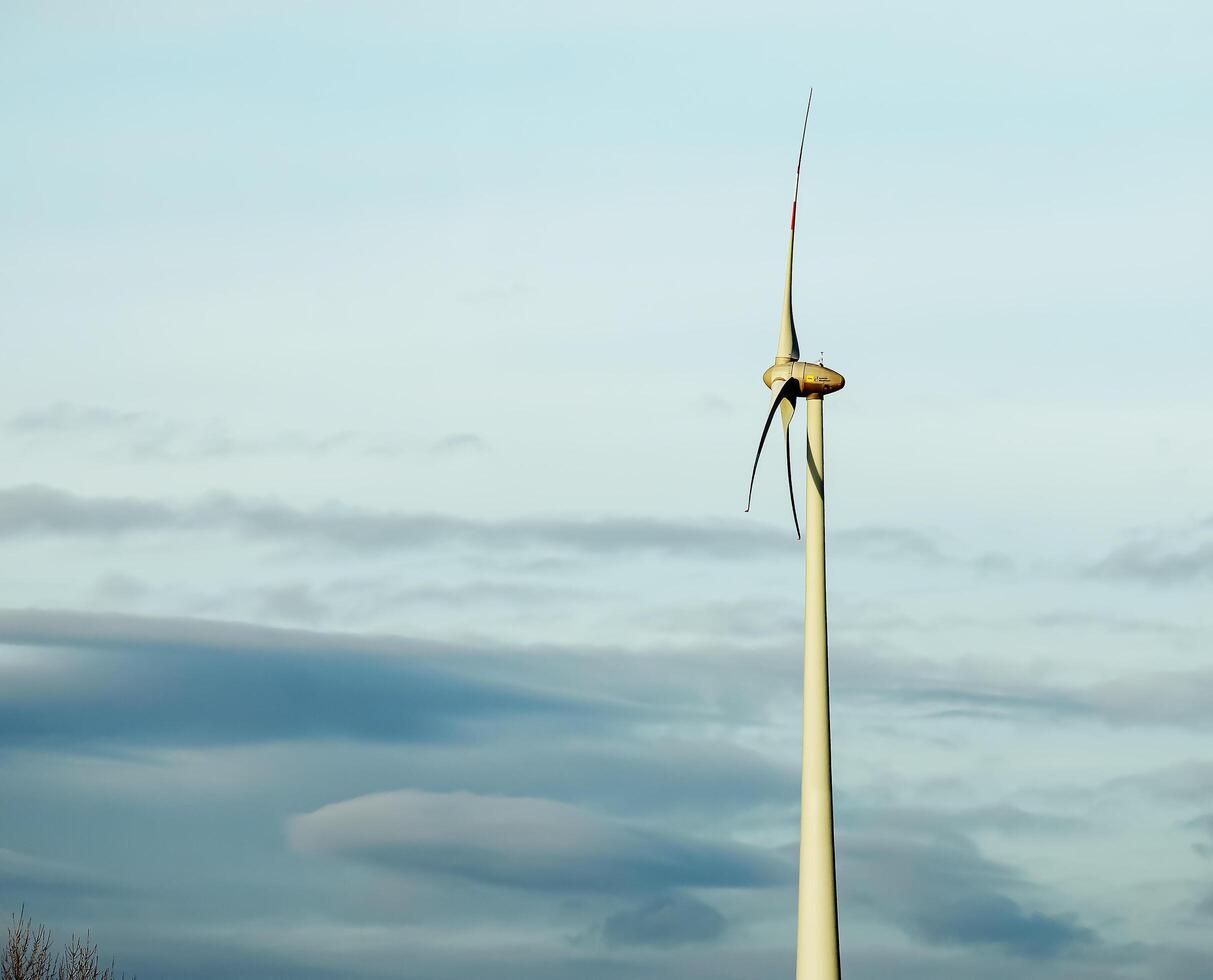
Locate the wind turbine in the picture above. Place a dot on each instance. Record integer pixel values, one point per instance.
(790, 378)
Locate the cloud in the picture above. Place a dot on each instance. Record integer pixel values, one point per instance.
(1175, 962)
(32, 510)
(876, 961)
(322, 949)
(38, 510)
(35, 509)
(712, 404)
(1182, 698)
(892, 542)
(1111, 622)
(355, 598)
(913, 546)
(622, 772)
(740, 620)
(376, 594)
(935, 884)
(459, 443)
(293, 601)
(24, 876)
(992, 919)
(1203, 825)
(973, 688)
(196, 681)
(1185, 782)
(619, 772)
(126, 679)
(64, 417)
(524, 843)
(1003, 818)
(664, 921)
(1163, 559)
(118, 587)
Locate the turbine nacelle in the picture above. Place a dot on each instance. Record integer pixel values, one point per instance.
(814, 380)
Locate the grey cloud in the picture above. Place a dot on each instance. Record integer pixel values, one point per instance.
(179, 681)
(219, 444)
(190, 681)
(876, 962)
(749, 620)
(1185, 782)
(120, 587)
(294, 601)
(66, 417)
(150, 659)
(876, 620)
(991, 919)
(1071, 619)
(729, 680)
(1005, 818)
(936, 885)
(459, 443)
(1010, 819)
(524, 843)
(714, 405)
(437, 960)
(34, 509)
(1181, 699)
(1172, 698)
(31, 510)
(184, 957)
(913, 546)
(664, 921)
(891, 542)
(627, 774)
(1162, 560)
(1203, 825)
(1174, 962)
(618, 772)
(356, 599)
(379, 594)
(23, 877)
(970, 688)
(344, 600)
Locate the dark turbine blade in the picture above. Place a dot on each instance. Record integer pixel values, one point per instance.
(786, 410)
(787, 390)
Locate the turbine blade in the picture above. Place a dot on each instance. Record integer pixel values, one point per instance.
(786, 410)
(789, 348)
(785, 390)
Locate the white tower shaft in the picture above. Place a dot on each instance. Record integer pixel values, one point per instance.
(816, 910)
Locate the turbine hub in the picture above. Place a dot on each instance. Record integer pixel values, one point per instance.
(815, 380)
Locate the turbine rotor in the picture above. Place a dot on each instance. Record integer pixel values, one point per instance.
(789, 377)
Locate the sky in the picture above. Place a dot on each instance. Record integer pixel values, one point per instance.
(381, 382)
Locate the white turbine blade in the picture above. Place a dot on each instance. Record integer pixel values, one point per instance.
(787, 408)
(784, 390)
(789, 347)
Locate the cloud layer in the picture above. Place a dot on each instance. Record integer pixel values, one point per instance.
(179, 681)
(41, 510)
(525, 843)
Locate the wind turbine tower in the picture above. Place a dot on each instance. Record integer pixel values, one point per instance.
(790, 378)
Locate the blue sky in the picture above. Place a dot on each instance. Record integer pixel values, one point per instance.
(381, 386)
